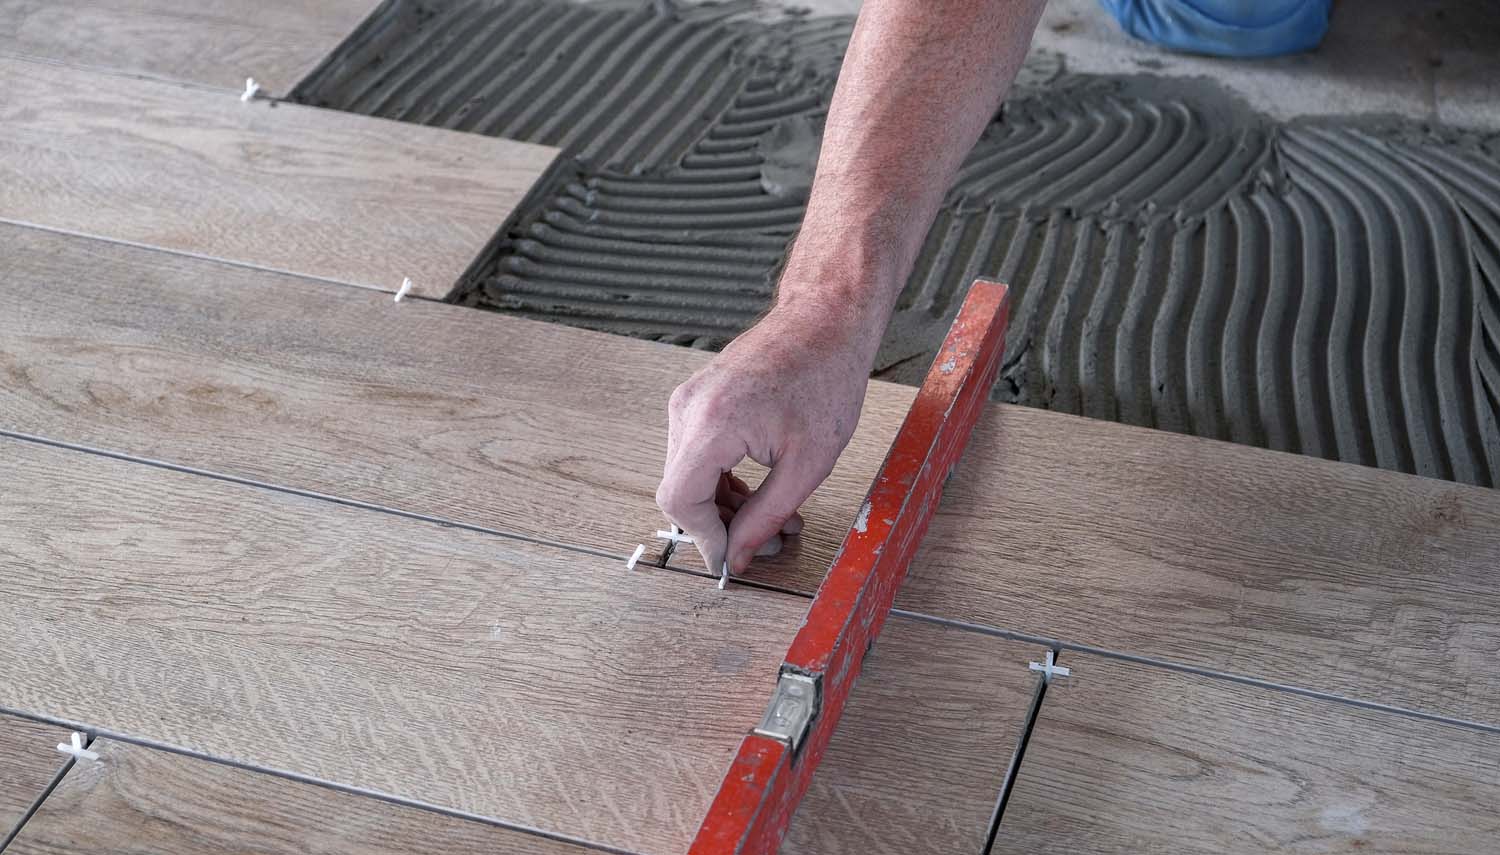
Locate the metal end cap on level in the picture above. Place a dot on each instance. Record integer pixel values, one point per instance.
(793, 706)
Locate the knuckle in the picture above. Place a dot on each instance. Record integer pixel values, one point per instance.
(667, 496)
(717, 403)
(689, 392)
(680, 398)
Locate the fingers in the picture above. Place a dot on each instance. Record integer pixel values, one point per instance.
(700, 493)
(689, 490)
(743, 492)
(680, 499)
(773, 508)
(734, 492)
(770, 547)
(732, 495)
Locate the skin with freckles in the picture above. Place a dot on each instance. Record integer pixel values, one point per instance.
(920, 81)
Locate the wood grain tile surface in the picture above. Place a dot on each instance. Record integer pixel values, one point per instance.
(1355, 581)
(494, 421)
(532, 684)
(921, 751)
(28, 761)
(524, 683)
(212, 42)
(910, 770)
(281, 186)
(138, 799)
(1128, 759)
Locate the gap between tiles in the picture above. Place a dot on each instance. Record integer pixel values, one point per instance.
(666, 556)
(1059, 645)
(36, 804)
(1017, 756)
(95, 733)
(983, 629)
(306, 494)
(377, 289)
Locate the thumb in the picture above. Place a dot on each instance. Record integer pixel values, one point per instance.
(761, 518)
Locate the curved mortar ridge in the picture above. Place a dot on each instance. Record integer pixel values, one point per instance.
(1179, 261)
(1350, 311)
(630, 85)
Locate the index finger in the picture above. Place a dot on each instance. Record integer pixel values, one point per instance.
(689, 485)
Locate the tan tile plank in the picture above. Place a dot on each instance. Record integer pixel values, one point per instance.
(1350, 580)
(282, 186)
(488, 675)
(212, 42)
(478, 673)
(28, 761)
(910, 768)
(1341, 578)
(136, 799)
(1329, 576)
(493, 421)
(1130, 759)
(1369, 584)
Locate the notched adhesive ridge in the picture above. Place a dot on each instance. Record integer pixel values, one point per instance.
(1178, 261)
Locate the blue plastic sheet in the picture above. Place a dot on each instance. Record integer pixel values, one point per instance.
(1225, 27)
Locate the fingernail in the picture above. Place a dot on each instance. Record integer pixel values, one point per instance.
(740, 561)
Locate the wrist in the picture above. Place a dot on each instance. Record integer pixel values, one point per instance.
(848, 283)
(831, 314)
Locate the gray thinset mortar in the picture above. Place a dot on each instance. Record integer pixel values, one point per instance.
(1179, 261)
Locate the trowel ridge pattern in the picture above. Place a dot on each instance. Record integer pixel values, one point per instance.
(1179, 261)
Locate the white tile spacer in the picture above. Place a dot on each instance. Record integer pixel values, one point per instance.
(251, 89)
(1050, 669)
(676, 535)
(76, 749)
(404, 289)
(724, 576)
(640, 549)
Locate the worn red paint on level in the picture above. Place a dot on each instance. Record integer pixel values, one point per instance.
(754, 805)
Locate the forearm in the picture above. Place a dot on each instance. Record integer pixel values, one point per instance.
(920, 81)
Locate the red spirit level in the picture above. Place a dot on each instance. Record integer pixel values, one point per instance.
(776, 761)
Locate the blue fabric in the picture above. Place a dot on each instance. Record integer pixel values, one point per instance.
(1225, 27)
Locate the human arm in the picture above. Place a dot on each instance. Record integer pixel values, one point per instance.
(920, 81)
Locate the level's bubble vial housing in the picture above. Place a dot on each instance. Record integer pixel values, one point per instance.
(793, 705)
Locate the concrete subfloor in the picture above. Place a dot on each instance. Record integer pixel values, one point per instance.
(1316, 273)
(1428, 60)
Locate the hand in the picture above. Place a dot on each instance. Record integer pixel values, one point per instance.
(786, 394)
